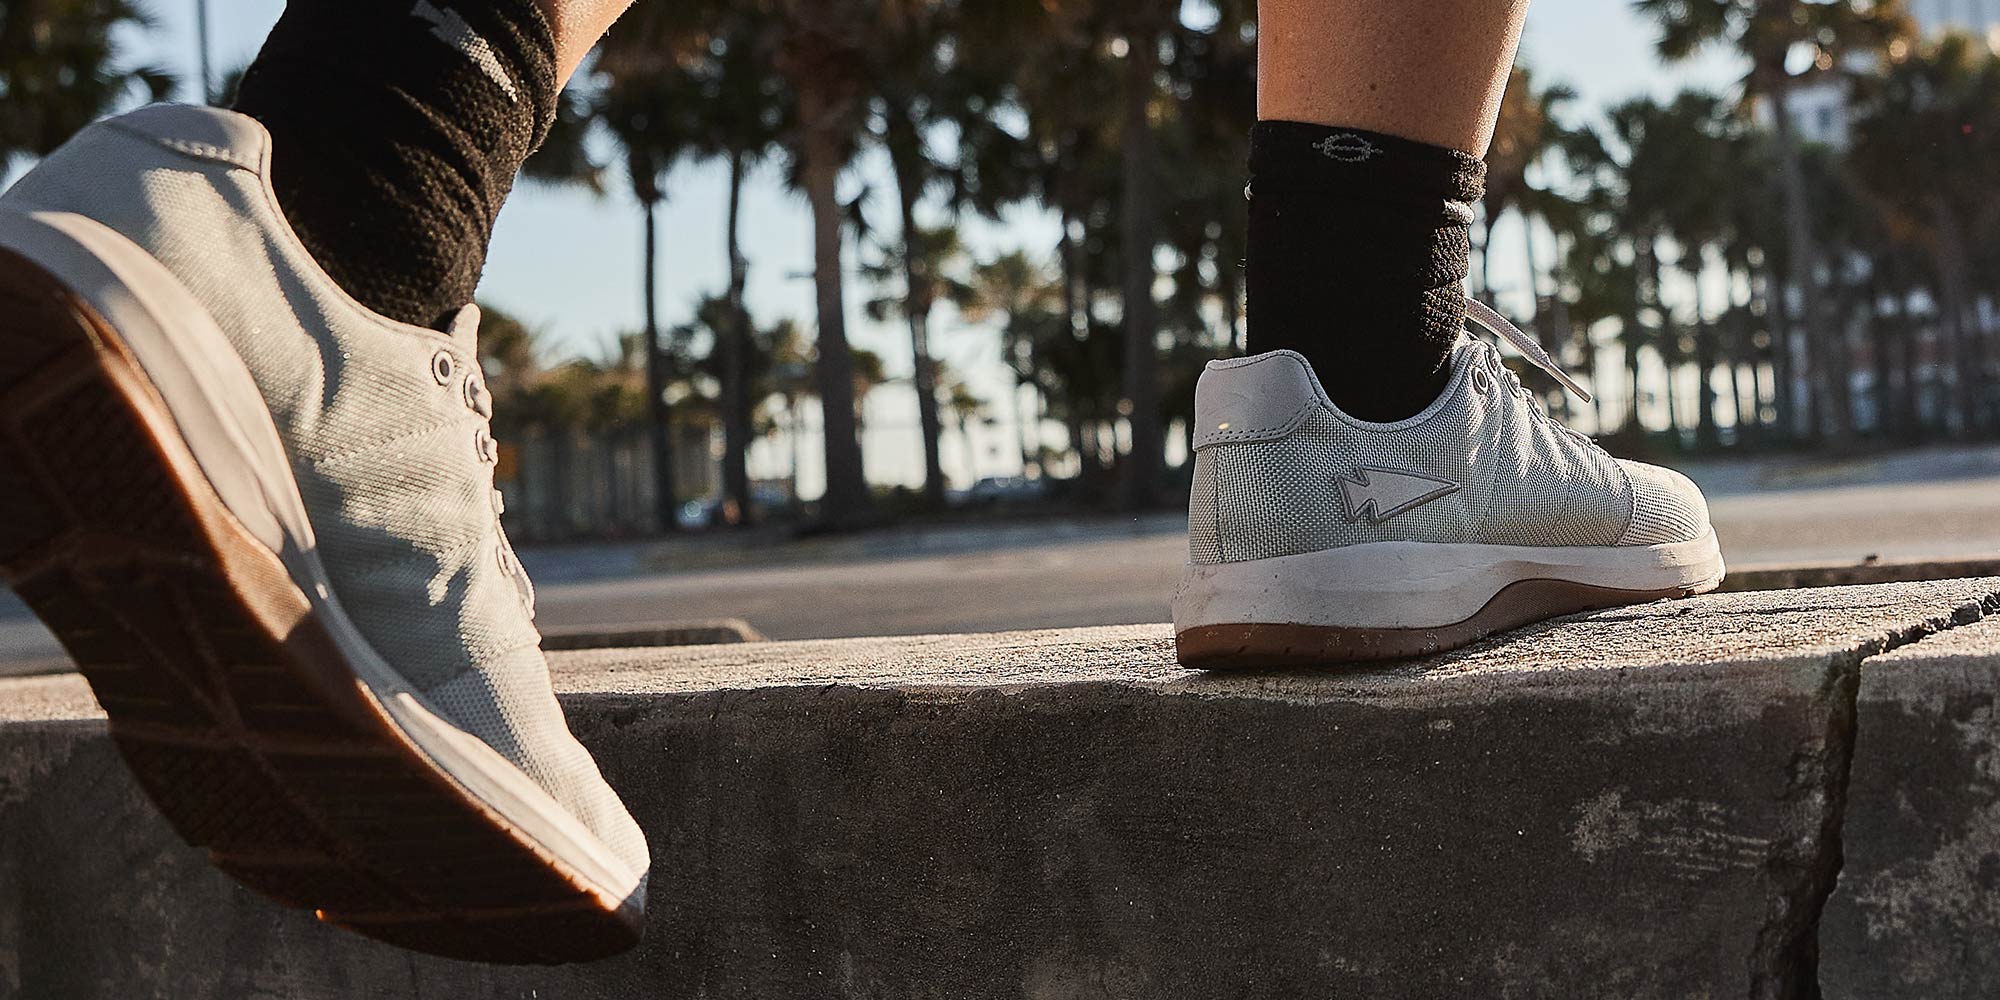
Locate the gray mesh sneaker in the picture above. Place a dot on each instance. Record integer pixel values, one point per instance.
(1314, 537)
(262, 521)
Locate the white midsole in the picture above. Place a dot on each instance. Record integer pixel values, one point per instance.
(1419, 585)
(222, 418)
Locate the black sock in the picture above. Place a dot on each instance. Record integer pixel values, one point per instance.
(1358, 244)
(397, 127)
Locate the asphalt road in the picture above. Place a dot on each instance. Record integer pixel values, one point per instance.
(1924, 505)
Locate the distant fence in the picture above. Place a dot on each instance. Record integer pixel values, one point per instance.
(562, 484)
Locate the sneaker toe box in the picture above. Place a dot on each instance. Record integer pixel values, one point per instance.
(1667, 507)
(511, 707)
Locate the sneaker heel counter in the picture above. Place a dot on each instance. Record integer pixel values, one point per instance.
(1245, 400)
(1240, 406)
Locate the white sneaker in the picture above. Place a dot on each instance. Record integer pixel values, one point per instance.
(1315, 537)
(262, 521)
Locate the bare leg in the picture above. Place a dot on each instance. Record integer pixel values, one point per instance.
(1373, 118)
(578, 24)
(1428, 70)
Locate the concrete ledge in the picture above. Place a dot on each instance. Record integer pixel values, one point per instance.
(1917, 910)
(1641, 803)
(696, 633)
(1851, 573)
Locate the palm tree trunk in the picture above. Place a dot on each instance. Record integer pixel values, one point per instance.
(795, 424)
(1665, 338)
(1785, 402)
(1142, 391)
(1952, 298)
(1800, 262)
(1632, 379)
(846, 497)
(735, 399)
(664, 500)
(1910, 401)
(1881, 336)
(1018, 416)
(562, 484)
(1745, 419)
(904, 146)
(201, 42)
(1229, 288)
(1707, 432)
(1739, 352)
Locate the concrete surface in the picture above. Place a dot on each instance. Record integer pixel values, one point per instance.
(1634, 803)
(1917, 910)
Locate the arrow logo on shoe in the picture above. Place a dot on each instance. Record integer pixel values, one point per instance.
(1380, 494)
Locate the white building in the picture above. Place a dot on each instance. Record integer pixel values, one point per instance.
(1819, 110)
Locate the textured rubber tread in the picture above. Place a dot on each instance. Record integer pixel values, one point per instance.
(1254, 646)
(228, 700)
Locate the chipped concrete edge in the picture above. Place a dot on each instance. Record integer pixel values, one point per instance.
(1794, 971)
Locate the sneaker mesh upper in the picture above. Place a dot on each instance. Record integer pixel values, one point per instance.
(1521, 478)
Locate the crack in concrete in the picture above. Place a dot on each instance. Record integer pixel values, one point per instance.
(1794, 975)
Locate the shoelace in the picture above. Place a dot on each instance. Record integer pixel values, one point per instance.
(1496, 324)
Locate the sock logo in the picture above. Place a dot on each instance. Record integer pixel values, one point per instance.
(1346, 147)
(451, 29)
(1380, 494)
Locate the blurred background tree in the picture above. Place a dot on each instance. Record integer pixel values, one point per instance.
(1724, 273)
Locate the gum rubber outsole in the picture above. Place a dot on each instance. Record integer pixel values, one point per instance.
(226, 696)
(1255, 646)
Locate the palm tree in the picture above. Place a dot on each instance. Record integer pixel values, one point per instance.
(1925, 147)
(1025, 300)
(1766, 33)
(1528, 129)
(927, 76)
(743, 106)
(1753, 232)
(910, 72)
(820, 48)
(711, 57)
(1143, 25)
(510, 355)
(61, 69)
(792, 381)
(1696, 128)
(643, 106)
(1649, 189)
(965, 406)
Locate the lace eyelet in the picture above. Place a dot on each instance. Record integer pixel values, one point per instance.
(1482, 380)
(487, 448)
(477, 398)
(442, 367)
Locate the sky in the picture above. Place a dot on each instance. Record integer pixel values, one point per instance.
(567, 261)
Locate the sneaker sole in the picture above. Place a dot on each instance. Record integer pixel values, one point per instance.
(1254, 646)
(227, 696)
(1395, 600)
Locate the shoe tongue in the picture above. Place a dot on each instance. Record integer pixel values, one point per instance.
(464, 326)
(1468, 350)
